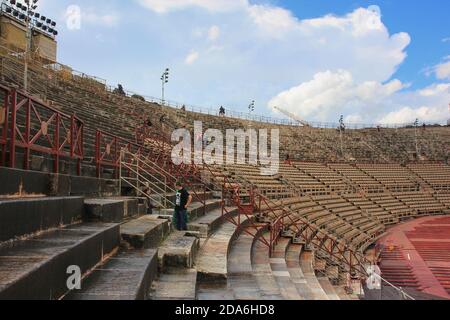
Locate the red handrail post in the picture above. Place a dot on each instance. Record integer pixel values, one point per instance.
(26, 157)
(223, 199)
(56, 144)
(4, 136)
(81, 147)
(12, 146)
(72, 136)
(204, 199)
(76, 136)
(97, 152)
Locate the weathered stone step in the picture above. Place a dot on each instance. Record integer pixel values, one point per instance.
(262, 271)
(126, 276)
(60, 185)
(146, 232)
(211, 222)
(280, 270)
(328, 288)
(131, 206)
(179, 250)
(212, 258)
(306, 263)
(23, 217)
(113, 209)
(216, 291)
(240, 271)
(340, 291)
(106, 210)
(175, 284)
(196, 210)
(296, 273)
(36, 268)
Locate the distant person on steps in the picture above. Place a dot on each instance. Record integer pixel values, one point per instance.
(182, 202)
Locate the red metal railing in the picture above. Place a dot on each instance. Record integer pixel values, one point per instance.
(191, 173)
(311, 234)
(149, 162)
(280, 220)
(246, 219)
(43, 129)
(108, 149)
(4, 112)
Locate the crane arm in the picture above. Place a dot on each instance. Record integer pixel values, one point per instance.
(292, 116)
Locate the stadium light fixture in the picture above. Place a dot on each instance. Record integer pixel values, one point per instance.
(164, 81)
(416, 125)
(251, 106)
(341, 131)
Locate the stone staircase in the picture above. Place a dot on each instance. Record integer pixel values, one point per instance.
(36, 253)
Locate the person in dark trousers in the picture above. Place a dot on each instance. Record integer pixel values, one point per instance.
(182, 202)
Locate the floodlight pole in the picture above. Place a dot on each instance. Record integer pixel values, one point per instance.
(29, 37)
(27, 49)
(416, 124)
(251, 109)
(164, 80)
(162, 94)
(341, 126)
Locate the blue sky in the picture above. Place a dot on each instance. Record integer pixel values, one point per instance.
(427, 23)
(385, 61)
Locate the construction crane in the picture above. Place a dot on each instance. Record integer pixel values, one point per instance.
(448, 121)
(292, 116)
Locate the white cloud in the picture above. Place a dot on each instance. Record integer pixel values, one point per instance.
(329, 93)
(443, 71)
(353, 118)
(272, 20)
(106, 20)
(409, 115)
(446, 39)
(163, 6)
(435, 90)
(75, 17)
(192, 57)
(213, 33)
(318, 68)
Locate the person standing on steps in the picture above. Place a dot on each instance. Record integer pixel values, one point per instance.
(182, 202)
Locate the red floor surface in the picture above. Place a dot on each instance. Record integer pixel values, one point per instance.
(416, 255)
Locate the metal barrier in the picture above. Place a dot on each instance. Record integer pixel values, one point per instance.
(261, 206)
(38, 127)
(4, 112)
(260, 118)
(108, 149)
(192, 175)
(145, 179)
(337, 250)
